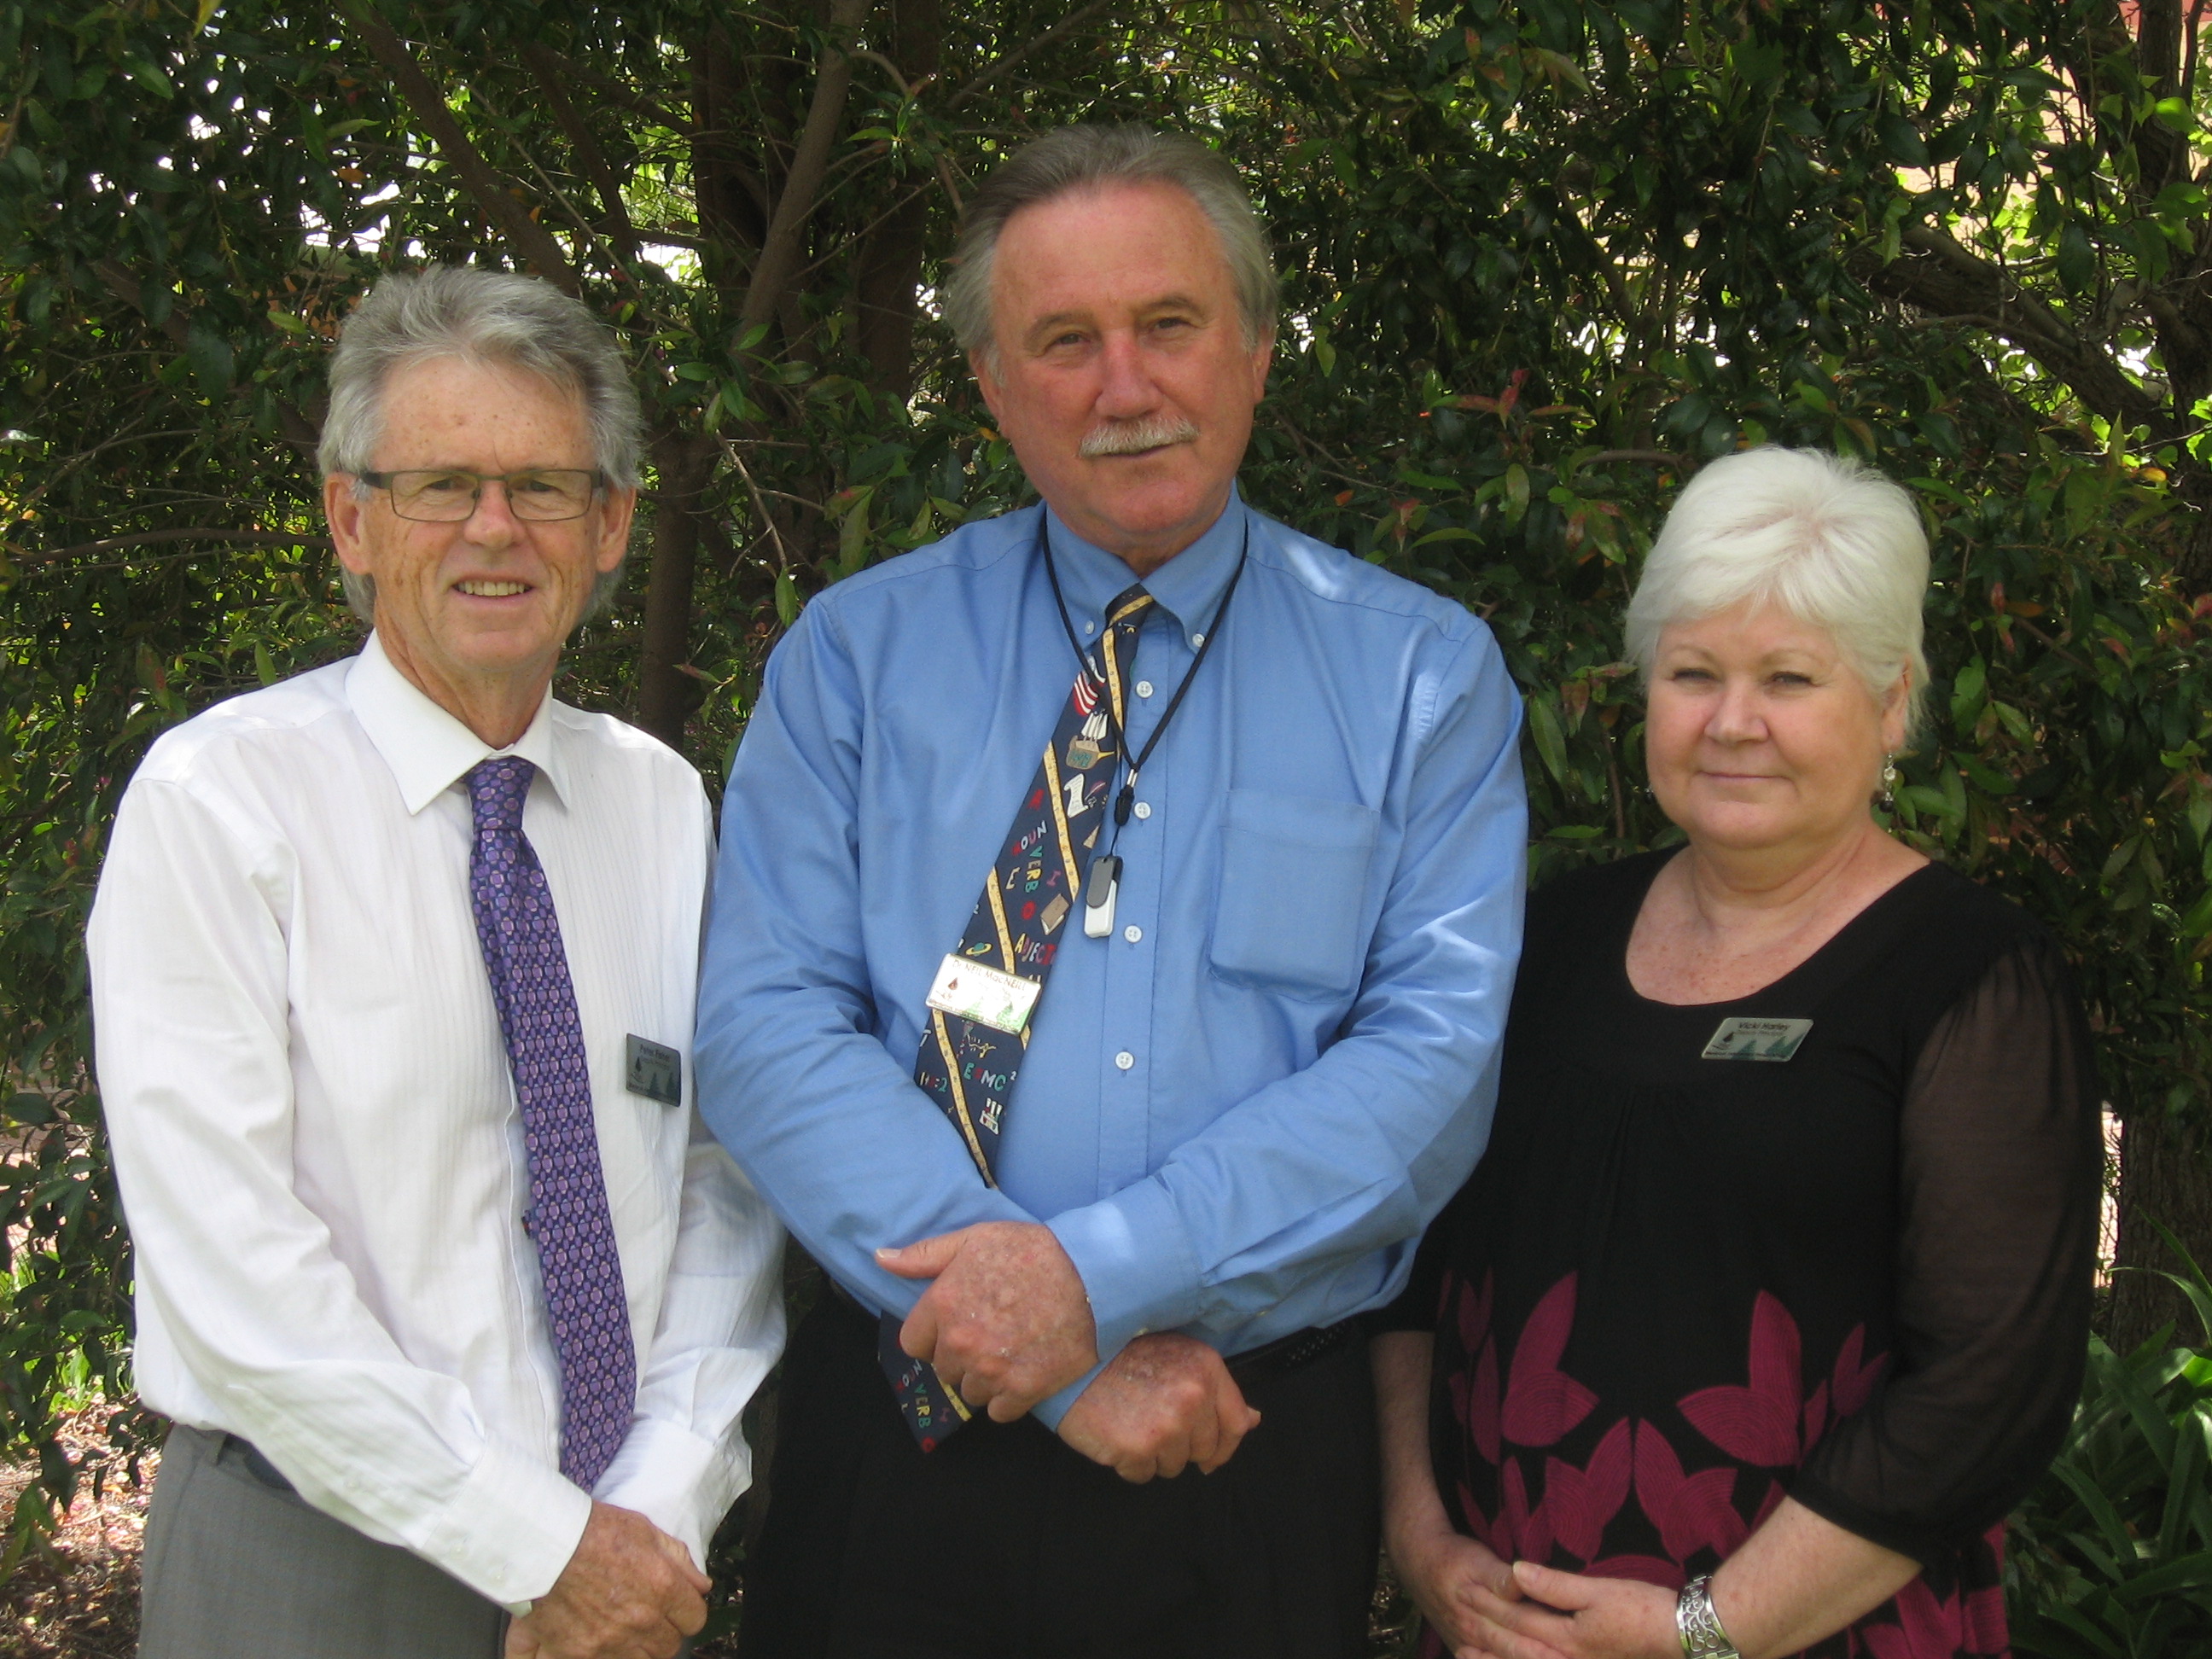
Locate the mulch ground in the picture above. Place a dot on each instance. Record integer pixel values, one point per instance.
(79, 1600)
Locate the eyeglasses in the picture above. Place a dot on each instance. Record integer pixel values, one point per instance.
(542, 495)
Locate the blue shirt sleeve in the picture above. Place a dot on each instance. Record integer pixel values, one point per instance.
(793, 1075)
(1355, 1153)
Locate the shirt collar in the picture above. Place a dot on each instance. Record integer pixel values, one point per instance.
(1187, 587)
(425, 747)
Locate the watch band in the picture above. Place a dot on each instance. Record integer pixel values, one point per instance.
(1699, 1626)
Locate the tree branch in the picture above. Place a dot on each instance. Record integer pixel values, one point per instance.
(1944, 278)
(780, 248)
(992, 71)
(125, 285)
(546, 65)
(2189, 60)
(195, 533)
(2162, 154)
(537, 246)
(1650, 457)
(616, 93)
(298, 431)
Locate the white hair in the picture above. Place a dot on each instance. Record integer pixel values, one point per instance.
(489, 317)
(1088, 156)
(1823, 540)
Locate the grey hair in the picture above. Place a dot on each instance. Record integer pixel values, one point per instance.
(1085, 157)
(490, 317)
(1826, 540)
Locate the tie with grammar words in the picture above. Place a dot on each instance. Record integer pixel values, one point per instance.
(968, 1067)
(568, 1217)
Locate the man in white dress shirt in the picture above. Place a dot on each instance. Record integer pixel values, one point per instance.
(453, 1303)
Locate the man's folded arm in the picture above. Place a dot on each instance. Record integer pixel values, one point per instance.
(829, 1126)
(189, 991)
(1282, 1198)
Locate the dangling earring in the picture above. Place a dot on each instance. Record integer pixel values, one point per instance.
(1887, 799)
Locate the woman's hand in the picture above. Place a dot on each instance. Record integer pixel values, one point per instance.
(1444, 1571)
(1570, 1615)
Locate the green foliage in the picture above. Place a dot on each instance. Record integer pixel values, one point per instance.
(1541, 261)
(2112, 1558)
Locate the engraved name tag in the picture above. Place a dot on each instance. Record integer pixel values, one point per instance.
(656, 1071)
(1757, 1039)
(1001, 1001)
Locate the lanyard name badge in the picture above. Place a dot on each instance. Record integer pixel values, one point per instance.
(1102, 881)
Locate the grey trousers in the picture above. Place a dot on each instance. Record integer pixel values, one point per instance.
(240, 1566)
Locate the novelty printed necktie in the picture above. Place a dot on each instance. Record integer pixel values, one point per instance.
(966, 1066)
(568, 1216)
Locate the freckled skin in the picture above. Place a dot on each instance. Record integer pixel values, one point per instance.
(486, 660)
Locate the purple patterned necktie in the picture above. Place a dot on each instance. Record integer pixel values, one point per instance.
(568, 1216)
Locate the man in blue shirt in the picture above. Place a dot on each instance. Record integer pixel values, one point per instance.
(1127, 1216)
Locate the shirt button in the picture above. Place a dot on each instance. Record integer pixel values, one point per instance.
(1132, 933)
(1197, 640)
(1144, 688)
(1125, 1060)
(1144, 809)
(1090, 628)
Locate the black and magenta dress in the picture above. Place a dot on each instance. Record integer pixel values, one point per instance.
(1679, 1288)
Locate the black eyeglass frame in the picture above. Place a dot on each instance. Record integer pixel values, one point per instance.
(383, 481)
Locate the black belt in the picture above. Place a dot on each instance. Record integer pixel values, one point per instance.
(1275, 1360)
(256, 1465)
(1268, 1363)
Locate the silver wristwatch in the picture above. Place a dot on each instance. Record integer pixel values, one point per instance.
(1699, 1626)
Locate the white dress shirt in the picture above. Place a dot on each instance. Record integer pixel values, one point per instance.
(316, 1134)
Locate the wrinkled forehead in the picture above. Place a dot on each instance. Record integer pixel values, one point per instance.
(442, 399)
(1109, 236)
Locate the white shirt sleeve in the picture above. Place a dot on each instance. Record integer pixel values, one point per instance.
(721, 1328)
(191, 991)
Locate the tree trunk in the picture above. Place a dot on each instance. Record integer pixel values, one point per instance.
(892, 269)
(2165, 1177)
(666, 694)
(2192, 490)
(732, 211)
(783, 244)
(888, 283)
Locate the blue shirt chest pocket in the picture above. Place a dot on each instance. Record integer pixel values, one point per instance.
(1294, 876)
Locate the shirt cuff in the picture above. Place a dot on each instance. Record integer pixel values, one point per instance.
(1136, 1261)
(1049, 1410)
(683, 1484)
(510, 1530)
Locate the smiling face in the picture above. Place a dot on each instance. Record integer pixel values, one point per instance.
(1119, 369)
(1759, 733)
(474, 612)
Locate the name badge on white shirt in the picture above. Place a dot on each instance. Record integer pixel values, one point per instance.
(656, 1071)
(1757, 1039)
(1001, 1001)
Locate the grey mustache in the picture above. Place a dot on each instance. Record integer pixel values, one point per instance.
(1133, 437)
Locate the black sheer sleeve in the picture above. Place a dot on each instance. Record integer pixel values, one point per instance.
(1999, 1177)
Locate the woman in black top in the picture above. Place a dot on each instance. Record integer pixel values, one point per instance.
(1769, 1298)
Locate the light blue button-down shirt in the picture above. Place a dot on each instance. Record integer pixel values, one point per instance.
(1238, 1109)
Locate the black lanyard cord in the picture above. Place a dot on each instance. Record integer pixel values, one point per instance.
(1123, 801)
